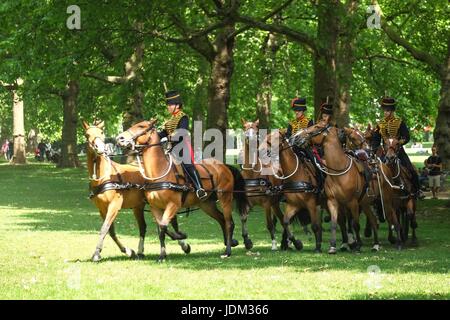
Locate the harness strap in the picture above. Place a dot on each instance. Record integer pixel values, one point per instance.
(110, 185)
(296, 186)
(164, 185)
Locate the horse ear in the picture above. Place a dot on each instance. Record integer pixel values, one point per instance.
(100, 124)
(369, 127)
(85, 125)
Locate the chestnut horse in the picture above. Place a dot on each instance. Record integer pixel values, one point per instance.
(220, 182)
(103, 171)
(258, 183)
(298, 186)
(114, 187)
(405, 201)
(344, 184)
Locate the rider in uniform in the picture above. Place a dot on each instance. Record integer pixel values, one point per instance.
(300, 122)
(394, 127)
(179, 120)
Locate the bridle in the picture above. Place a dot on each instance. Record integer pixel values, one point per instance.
(279, 152)
(98, 153)
(303, 136)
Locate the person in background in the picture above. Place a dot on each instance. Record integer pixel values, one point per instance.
(434, 165)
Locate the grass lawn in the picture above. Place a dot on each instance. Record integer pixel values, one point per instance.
(49, 230)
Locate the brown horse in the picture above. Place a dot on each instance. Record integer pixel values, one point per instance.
(103, 172)
(405, 203)
(298, 186)
(114, 187)
(257, 183)
(344, 185)
(220, 181)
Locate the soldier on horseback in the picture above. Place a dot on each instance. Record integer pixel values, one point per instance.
(180, 120)
(300, 122)
(394, 127)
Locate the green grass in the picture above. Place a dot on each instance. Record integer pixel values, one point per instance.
(49, 230)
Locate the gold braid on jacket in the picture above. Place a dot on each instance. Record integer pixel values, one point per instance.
(389, 127)
(298, 124)
(171, 124)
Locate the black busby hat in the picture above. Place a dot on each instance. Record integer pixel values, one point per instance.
(173, 97)
(388, 103)
(326, 108)
(298, 104)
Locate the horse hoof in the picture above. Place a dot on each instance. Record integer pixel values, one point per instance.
(187, 249)
(234, 242)
(225, 256)
(332, 250)
(96, 258)
(317, 250)
(130, 253)
(345, 247)
(248, 244)
(161, 259)
(298, 245)
(368, 233)
(140, 256)
(399, 247)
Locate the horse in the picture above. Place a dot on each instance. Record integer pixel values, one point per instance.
(299, 187)
(345, 187)
(163, 192)
(106, 174)
(258, 184)
(405, 202)
(113, 191)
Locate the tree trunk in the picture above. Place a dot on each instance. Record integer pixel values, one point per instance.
(219, 85)
(346, 60)
(69, 154)
(18, 130)
(442, 129)
(264, 96)
(324, 61)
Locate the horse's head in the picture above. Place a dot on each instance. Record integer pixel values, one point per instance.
(251, 129)
(391, 147)
(315, 134)
(355, 139)
(95, 137)
(141, 134)
(273, 142)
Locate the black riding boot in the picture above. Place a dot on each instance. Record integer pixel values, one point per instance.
(196, 180)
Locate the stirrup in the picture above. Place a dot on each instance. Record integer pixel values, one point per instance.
(201, 193)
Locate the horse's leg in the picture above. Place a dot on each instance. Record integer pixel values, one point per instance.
(395, 226)
(269, 223)
(111, 214)
(179, 235)
(279, 214)
(354, 209)
(333, 207)
(290, 212)
(316, 224)
(129, 252)
(372, 221)
(411, 207)
(343, 219)
(226, 200)
(247, 241)
(169, 213)
(139, 215)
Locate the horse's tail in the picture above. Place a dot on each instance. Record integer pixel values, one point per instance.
(240, 195)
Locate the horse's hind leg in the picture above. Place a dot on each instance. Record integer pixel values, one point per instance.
(129, 252)
(343, 219)
(247, 241)
(411, 213)
(279, 214)
(270, 223)
(354, 209)
(372, 221)
(139, 215)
